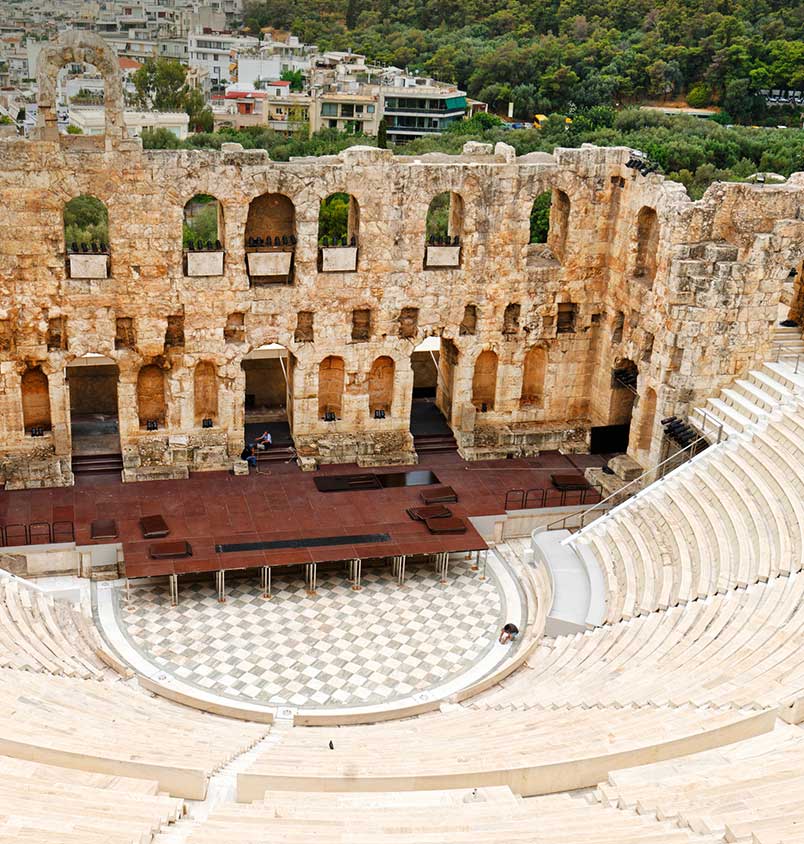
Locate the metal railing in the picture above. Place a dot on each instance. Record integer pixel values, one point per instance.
(520, 499)
(792, 355)
(656, 471)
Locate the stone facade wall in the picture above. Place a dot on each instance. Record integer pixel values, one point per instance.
(697, 316)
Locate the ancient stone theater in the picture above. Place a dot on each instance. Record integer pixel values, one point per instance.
(633, 278)
(233, 610)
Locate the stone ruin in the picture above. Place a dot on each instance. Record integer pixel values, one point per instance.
(633, 276)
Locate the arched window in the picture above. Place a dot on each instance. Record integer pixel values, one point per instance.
(338, 220)
(338, 229)
(647, 234)
(202, 228)
(86, 237)
(270, 239)
(381, 385)
(205, 390)
(151, 395)
(533, 375)
(484, 381)
(647, 415)
(540, 217)
(444, 222)
(331, 377)
(559, 223)
(35, 399)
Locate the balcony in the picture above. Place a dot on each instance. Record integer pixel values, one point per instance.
(203, 263)
(89, 265)
(442, 257)
(270, 264)
(338, 259)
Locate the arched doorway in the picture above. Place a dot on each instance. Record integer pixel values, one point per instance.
(433, 364)
(613, 437)
(268, 372)
(94, 423)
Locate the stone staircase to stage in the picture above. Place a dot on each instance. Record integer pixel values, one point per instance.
(730, 517)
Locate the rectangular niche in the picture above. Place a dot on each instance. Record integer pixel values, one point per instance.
(88, 266)
(269, 263)
(443, 257)
(204, 263)
(338, 259)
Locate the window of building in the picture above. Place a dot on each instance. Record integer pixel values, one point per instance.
(347, 110)
(358, 109)
(566, 318)
(329, 109)
(370, 109)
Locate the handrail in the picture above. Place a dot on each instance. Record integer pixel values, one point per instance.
(779, 356)
(562, 522)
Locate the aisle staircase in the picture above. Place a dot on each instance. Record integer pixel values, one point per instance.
(730, 517)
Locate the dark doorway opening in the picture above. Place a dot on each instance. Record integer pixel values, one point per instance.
(609, 439)
(94, 421)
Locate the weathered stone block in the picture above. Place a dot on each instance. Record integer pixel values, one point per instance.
(338, 259)
(443, 256)
(204, 263)
(269, 263)
(88, 266)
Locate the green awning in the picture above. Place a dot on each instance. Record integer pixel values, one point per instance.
(455, 102)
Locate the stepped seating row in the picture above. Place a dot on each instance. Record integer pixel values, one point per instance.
(747, 792)
(113, 728)
(731, 517)
(38, 633)
(42, 803)
(482, 816)
(741, 649)
(532, 751)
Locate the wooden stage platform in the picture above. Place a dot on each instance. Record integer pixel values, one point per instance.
(284, 506)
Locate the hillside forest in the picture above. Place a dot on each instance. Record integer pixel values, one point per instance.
(549, 55)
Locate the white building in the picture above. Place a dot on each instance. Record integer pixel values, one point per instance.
(217, 53)
(91, 120)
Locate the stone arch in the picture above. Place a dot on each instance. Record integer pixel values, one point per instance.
(203, 222)
(647, 415)
(559, 222)
(381, 384)
(624, 383)
(484, 380)
(445, 218)
(205, 392)
(540, 217)
(331, 379)
(151, 403)
(86, 48)
(271, 215)
(534, 371)
(35, 399)
(339, 219)
(647, 243)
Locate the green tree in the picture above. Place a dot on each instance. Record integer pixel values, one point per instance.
(159, 139)
(86, 221)
(200, 220)
(160, 84)
(540, 217)
(296, 79)
(333, 218)
(382, 134)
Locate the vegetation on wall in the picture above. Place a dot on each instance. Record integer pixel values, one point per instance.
(693, 151)
(544, 56)
(86, 221)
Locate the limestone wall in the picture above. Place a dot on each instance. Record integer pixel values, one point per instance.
(691, 315)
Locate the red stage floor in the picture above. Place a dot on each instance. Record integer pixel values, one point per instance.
(283, 503)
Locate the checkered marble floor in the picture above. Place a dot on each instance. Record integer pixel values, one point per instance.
(338, 648)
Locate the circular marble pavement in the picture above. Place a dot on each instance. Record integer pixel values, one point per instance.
(339, 648)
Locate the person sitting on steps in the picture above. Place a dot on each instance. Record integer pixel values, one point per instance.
(263, 442)
(248, 455)
(509, 633)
